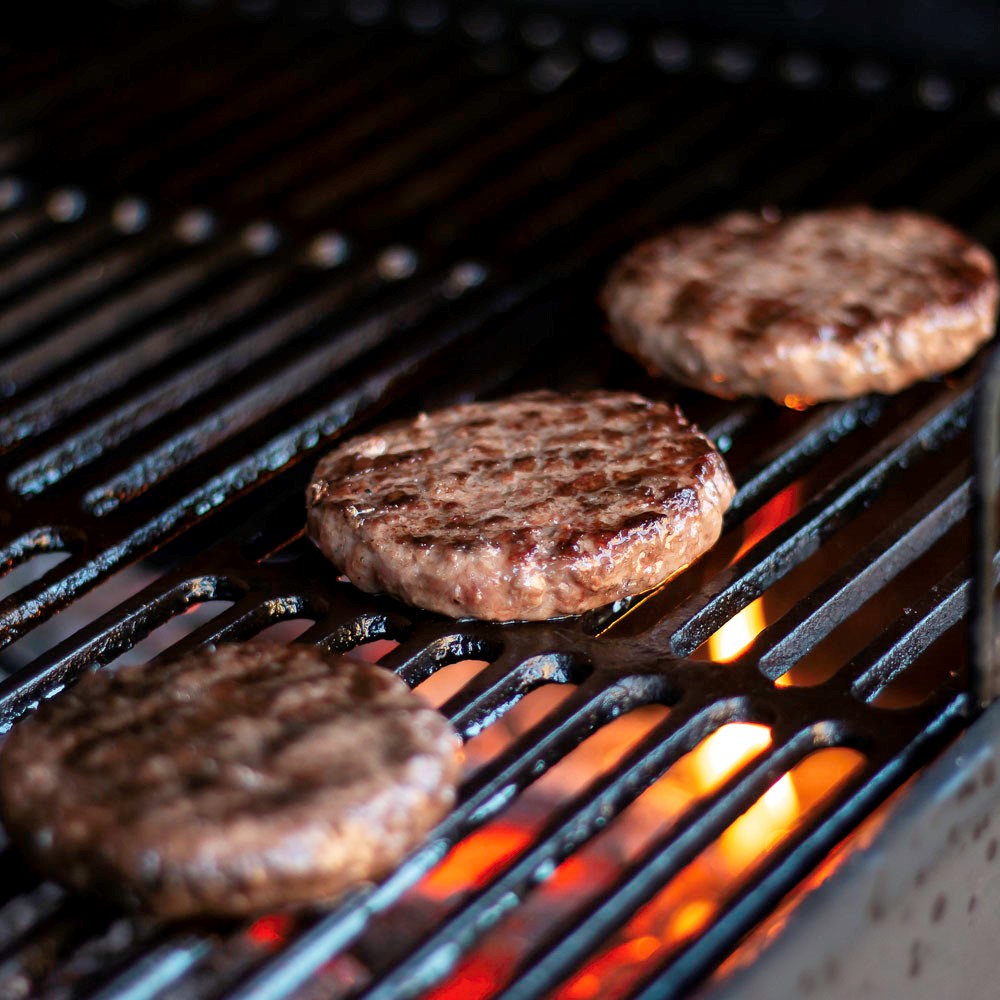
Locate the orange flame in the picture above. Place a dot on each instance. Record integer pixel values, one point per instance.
(472, 862)
(799, 403)
(695, 896)
(772, 515)
(690, 919)
(738, 634)
(722, 754)
(762, 825)
(719, 757)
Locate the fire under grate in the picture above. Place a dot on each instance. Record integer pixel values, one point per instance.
(278, 251)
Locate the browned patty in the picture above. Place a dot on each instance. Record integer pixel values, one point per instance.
(823, 305)
(533, 507)
(229, 781)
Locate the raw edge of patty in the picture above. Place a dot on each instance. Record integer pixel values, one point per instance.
(924, 314)
(227, 782)
(534, 507)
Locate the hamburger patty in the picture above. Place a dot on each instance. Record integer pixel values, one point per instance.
(533, 507)
(228, 781)
(823, 305)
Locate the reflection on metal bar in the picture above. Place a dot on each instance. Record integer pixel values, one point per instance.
(984, 676)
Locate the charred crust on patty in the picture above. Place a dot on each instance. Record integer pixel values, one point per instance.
(533, 507)
(815, 306)
(229, 781)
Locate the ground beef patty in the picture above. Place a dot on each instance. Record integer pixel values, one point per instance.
(229, 781)
(824, 305)
(533, 507)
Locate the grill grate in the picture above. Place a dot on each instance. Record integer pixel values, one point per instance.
(303, 246)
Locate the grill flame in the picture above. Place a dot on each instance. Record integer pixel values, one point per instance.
(696, 895)
(737, 635)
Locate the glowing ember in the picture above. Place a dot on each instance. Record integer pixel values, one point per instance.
(591, 983)
(474, 861)
(270, 931)
(475, 979)
(691, 900)
(371, 652)
(690, 919)
(798, 402)
(449, 680)
(686, 905)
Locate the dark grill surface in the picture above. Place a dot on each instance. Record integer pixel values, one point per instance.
(227, 239)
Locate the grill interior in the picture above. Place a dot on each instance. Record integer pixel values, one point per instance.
(229, 237)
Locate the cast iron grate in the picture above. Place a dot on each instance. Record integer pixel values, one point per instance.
(312, 236)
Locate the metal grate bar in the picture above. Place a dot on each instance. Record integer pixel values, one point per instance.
(29, 366)
(20, 227)
(212, 168)
(54, 254)
(886, 658)
(35, 906)
(138, 130)
(783, 462)
(94, 381)
(83, 283)
(559, 141)
(268, 90)
(958, 189)
(790, 544)
(87, 79)
(386, 164)
(908, 537)
(38, 601)
(157, 970)
(474, 708)
(845, 153)
(31, 543)
(285, 165)
(986, 447)
(886, 174)
(57, 936)
(112, 634)
(245, 619)
(94, 127)
(835, 819)
(248, 407)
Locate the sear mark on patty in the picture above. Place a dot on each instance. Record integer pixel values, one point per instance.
(533, 507)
